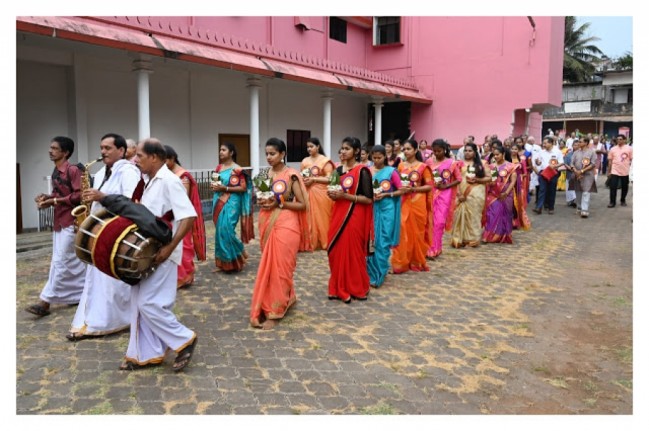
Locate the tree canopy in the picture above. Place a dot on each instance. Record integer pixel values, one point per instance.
(580, 52)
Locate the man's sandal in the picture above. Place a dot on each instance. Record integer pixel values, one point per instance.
(132, 366)
(184, 356)
(38, 310)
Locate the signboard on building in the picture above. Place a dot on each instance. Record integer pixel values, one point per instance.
(572, 107)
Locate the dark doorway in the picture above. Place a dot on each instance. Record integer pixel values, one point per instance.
(395, 119)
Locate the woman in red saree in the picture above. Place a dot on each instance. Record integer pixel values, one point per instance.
(522, 186)
(283, 229)
(416, 214)
(316, 169)
(351, 228)
(195, 242)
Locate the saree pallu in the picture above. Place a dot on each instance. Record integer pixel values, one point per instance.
(443, 204)
(499, 214)
(520, 219)
(319, 205)
(416, 225)
(350, 233)
(387, 227)
(282, 232)
(195, 242)
(467, 219)
(228, 208)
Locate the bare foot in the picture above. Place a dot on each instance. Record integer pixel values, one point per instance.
(269, 324)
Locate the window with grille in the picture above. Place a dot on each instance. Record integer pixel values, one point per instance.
(338, 29)
(387, 30)
(296, 145)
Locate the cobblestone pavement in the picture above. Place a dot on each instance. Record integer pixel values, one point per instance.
(543, 326)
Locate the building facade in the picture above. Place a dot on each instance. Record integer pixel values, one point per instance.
(602, 107)
(194, 82)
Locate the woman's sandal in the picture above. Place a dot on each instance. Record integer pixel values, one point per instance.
(184, 356)
(75, 336)
(38, 310)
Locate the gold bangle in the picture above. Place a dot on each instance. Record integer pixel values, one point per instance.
(55, 203)
(227, 189)
(355, 198)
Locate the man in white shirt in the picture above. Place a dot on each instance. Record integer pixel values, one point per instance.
(154, 326)
(548, 157)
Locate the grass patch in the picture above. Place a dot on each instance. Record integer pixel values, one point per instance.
(625, 354)
(628, 384)
(541, 369)
(620, 301)
(590, 386)
(559, 382)
(379, 409)
(101, 409)
(590, 402)
(422, 374)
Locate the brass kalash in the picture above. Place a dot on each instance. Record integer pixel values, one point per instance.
(111, 242)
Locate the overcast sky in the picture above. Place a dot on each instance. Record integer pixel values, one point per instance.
(615, 33)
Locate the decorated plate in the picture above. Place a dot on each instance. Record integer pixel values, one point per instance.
(279, 187)
(315, 171)
(414, 176)
(385, 185)
(234, 180)
(348, 182)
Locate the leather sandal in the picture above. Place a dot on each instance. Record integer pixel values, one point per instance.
(184, 356)
(38, 310)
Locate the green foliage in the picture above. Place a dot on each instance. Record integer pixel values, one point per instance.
(580, 52)
(334, 180)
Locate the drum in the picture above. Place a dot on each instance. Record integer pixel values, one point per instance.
(113, 244)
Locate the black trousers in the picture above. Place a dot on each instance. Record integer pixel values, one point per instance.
(615, 180)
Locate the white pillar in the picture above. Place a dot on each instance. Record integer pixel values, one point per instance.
(143, 68)
(253, 85)
(327, 97)
(378, 104)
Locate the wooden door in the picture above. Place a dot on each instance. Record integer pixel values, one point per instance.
(241, 143)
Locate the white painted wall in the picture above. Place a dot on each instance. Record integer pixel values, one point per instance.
(41, 114)
(93, 92)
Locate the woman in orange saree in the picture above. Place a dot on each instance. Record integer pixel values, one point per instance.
(283, 229)
(351, 229)
(316, 169)
(416, 215)
(195, 242)
(521, 220)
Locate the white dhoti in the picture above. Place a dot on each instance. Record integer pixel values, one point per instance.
(154, 326)
(67, 271)
(104, 307)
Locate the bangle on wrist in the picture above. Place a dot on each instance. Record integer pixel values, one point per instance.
(55, 202)
(227, 189)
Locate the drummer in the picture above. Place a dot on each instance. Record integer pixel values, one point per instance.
(105, 302)
(154, 326)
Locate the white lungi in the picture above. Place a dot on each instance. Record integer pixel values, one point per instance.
(67, 271)
(154, 326)
(104, 307)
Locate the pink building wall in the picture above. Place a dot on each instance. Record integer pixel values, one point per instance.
(479, 71)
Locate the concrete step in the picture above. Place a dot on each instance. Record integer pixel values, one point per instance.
(33, 241)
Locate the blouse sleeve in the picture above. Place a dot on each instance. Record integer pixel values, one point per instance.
(457, 170)
(427, 177)
(395, 180)
(365, 187)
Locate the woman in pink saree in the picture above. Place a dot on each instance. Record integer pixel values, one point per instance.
(446, 176)
(283, 229)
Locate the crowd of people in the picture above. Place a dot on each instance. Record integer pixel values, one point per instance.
(378, 210)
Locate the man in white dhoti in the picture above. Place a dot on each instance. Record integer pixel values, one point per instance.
(105, 303)
(154, 327)
(67, 272)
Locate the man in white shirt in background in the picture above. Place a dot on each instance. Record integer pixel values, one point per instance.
(552, 157)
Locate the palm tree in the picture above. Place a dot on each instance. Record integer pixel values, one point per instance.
(579, 52)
